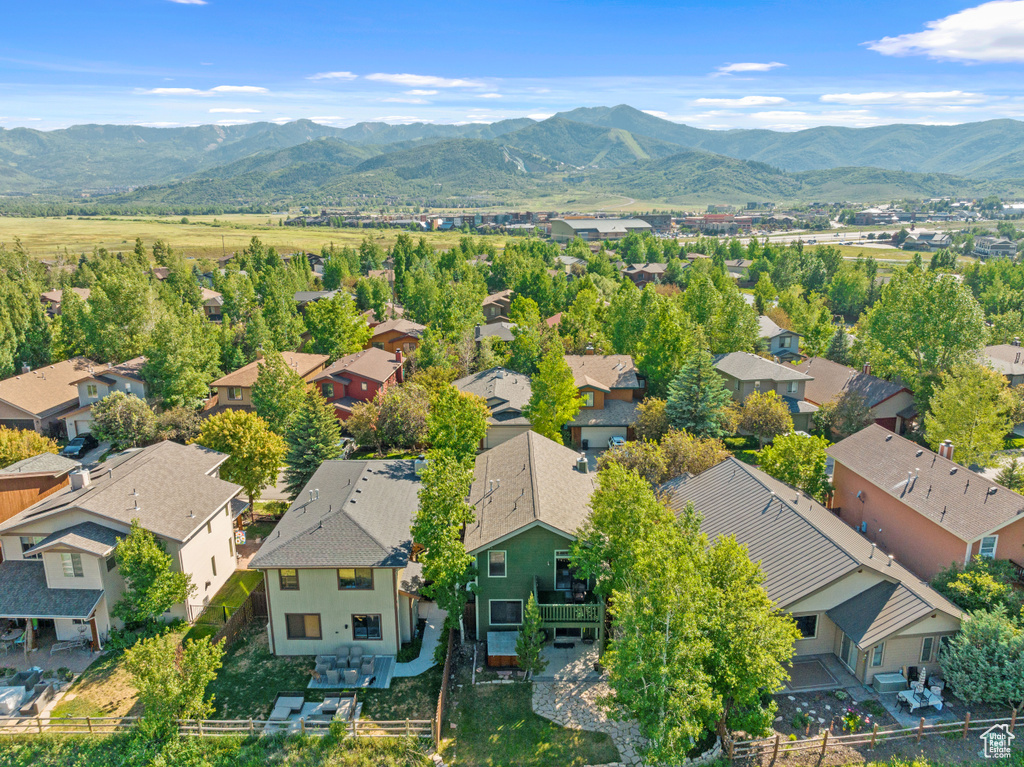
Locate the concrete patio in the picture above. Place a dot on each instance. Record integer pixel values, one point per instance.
(567, 664)
(811, 673)
(379, 679)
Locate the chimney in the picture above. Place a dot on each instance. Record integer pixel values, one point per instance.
(946, 450)
(401, 365)
(590, 349)
(259, 353)
(500, 373)
(1016, 340)
(581, 464)
(26, 368)
(79, 479)
(867, 368)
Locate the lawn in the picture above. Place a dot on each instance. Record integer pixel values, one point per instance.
(231, 596)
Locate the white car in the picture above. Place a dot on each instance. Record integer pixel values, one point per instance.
(616, 441)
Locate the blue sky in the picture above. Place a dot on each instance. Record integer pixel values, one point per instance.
(727, 64)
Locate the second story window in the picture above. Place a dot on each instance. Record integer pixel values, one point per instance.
(72, 564)
(363, 386)
(785, 342)
(355, 578)
(235, 392)
(91, 390)
(328, 390)
(289, 580)
(28, 542)
(792, 387)
(588, 399)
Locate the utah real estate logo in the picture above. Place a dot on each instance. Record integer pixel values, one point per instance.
(997, 741)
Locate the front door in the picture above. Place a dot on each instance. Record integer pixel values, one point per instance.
(848, 654)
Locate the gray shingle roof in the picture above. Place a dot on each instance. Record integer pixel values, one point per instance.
(44, 463)
(801, 546)
(535, 480)
(608, 371)
(362, 517)
(175, 486)
(1006, 359)
(506, 393)
(830, 380)
(24, 594)
(616, 412)
(769, 329)
(874, 614)
(750, 367)
(798, 406)
(966, 504)
(85, 536)
(500, 330)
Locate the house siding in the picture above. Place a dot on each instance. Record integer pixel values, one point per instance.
(18, 493)
(393, 341)
(194, 556)
(1010, 544)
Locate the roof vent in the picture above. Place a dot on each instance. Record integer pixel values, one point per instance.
(888, 437)
(890, 560)
(191, 514)
(920, 453)
(992, 490)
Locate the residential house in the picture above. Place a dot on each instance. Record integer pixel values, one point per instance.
(995, 247)
(506, 393)
(100, 382)
(610, 386)
(32, 479)
(1008, 360)
(499, 331)
(746, 373)
(213, 305)
(739, 268)
(234, 391)
(847, 597)
(396, 335)
(925, 240)
(391, 309)
(53, 298)
(388, 275)
(596, 229)
(38, 399)
(783, 344)
(496, 306)
(304, 298)
(58, 566)
(530, 496)
(358, 377)
(891, 403)
(642, 274)
(335, 564)
(921, 507)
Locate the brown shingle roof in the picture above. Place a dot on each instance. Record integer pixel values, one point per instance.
(608, 371)
(535, 481)
(57, 296)
(373, 364)
(303, 364)
(48, 389)
(129, 369)
(832, 379)
(966, 504)
(495, 298)
(750, 367)
(408, 327)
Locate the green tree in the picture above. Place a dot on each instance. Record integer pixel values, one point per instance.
(152, 585)
(19, 444)
(798, 460)
(313, 437)
(764, 293)
(843, 416)
(280, 313)
(395, 419)
(255, 450)
(1012, 476)
(182, 358)
(651, 419)
(839, 347)
(457, 423)
(69, 335)
(698, 401)
(336, 327)
(277, 392)
(969, 408)
(525, 349)
(984, 584)
(124, 420)
(121, 315)
(686, 454)
(984, 663)
(554, 400)
(765, 415)
(644, 458)
(530, 640)
(180, 424)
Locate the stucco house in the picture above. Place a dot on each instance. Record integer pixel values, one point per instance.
(38, 399)
(783, 344)
(891, 403)
(746, 373)
(847, 597)
(234, 390)
(921, 507)
(358, 377)
(610, 386)
(506, 393)
(58, 564)
(1007, 359)
(99, 383)
(337, 565)
(530, 495)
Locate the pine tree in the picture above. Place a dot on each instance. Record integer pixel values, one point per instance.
(697, 399)
(312, 438)
(531, 640)
(1012, 476)
(838, 349)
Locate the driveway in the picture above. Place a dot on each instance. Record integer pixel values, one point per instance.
(277, 492)
(92, 458)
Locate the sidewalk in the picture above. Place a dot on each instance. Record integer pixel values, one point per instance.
(431, 636)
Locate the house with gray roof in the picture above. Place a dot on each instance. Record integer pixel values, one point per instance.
(848, 597)
(746, 373)
(32, 479)
(338, 567)
(530, 495)
(59, 574)
(506, 393)
(101, 381)
(611, 386)
(783, 344)
(1007, 359)
(890, 403)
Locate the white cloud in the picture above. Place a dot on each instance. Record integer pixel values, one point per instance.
(174, 92)
(232, 122)
(399, 119)
(189, 2)
(541, 115)
(238, 111)
(332, 76)
(656, 113)
(489, 96)
(212, 92)
(745, 101)
(282, 120)
(906, 98)
(238, 89)
(327, 119)
(991, 31)
(420, 92)
(749, 66)
(160, 125)
(424, 81)
(399, 100)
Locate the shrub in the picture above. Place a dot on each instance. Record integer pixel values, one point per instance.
(840, 695)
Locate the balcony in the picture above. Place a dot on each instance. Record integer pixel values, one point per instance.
(581, 614)
(576, 606)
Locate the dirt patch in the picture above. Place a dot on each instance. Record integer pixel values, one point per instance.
(805, 714)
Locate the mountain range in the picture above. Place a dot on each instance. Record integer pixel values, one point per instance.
(617, 150)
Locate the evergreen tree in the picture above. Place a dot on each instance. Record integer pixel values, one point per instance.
(698, 400)
(838, 348)
(530, 641)
(312, 438)
(1012, 476)
(555, 400)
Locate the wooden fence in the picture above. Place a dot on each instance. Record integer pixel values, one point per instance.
(442, 696)
(254, 606)
(776, 747)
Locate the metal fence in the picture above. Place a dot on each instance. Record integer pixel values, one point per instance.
(227, 621)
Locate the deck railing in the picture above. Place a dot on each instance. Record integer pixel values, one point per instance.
(570, 613)
(1019, 570)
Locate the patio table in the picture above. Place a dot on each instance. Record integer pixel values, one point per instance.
(920, 699)
(12, 634)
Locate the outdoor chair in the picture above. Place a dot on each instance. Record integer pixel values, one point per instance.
(902, 704)
(366, 667)
(355, 653)
(343, 651)
(327, 660)
(333, 676)
(351, 676)
(321, 669)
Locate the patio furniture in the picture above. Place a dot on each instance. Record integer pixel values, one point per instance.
(327, 660)
(355, 656)
(333, 676)
(13, 634)
(321, 669)
(5, 647)
(343, 651)
(351, 676)
(916, 700)
(892, 682)
(292, 702)
(279, 714)
(70, 644)
(936, 690)
(366, 667)
(331, 705)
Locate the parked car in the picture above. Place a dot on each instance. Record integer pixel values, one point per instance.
(346, 446)
(79, 446)
(616, 441)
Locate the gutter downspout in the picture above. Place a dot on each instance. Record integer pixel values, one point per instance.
(270, 615)
(398, 625)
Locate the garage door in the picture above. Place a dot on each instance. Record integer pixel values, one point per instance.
(82, 427)
(598, 436)
(499, 434)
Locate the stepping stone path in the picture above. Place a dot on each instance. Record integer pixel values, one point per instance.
(574, 704)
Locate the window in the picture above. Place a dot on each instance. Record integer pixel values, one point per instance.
(791, 387)
(288, 580)
(363, 386)
(807, 625)
(785, 342)
(355, 578)
(91, 390)
(128, 387)
(235, 392)
(496, 564)
(111, 562)
(302, 625)
(877, 654)
(588, 399)
(328, 390)
(213, 565)
(926, 649)
(27, 542)
(72, 564)
(988, 546)
(506, 612)
(366, 627)
(737, 385)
